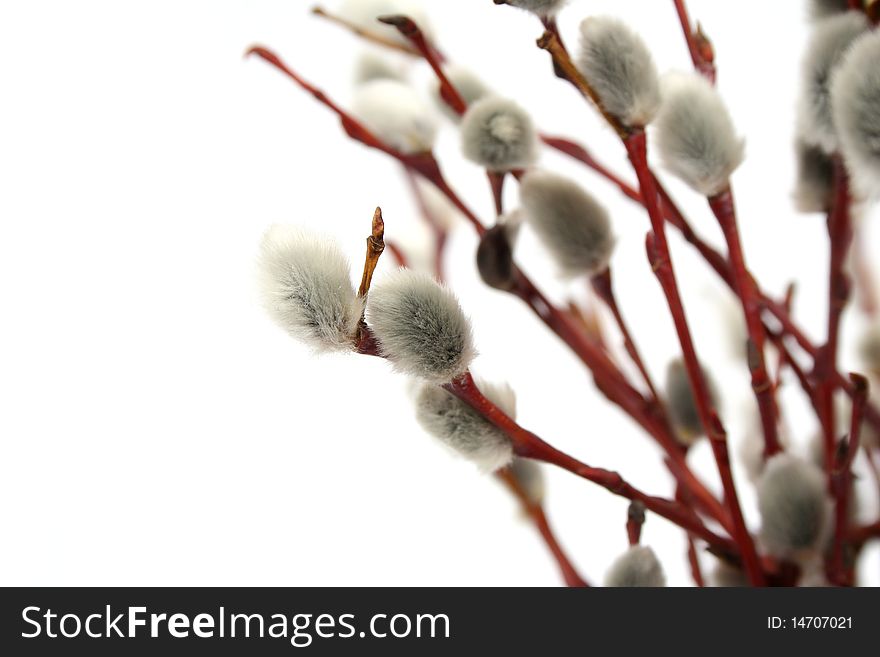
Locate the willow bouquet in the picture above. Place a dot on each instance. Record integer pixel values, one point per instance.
(679, 123)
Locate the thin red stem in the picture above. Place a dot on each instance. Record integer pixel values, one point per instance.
(840, 568)
(603, 285)
(840, 238)
(658, 251)
(527, 445)
(723, 207)
(698, 46)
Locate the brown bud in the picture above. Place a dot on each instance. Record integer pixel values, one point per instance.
(495, 259)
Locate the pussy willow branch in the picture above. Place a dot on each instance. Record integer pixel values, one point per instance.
(527, 445)
(723, 207)
(603, 285)
(840, 238)
(608, 378)
(438, 232)
(840, 566)
(699, 47)
(635, 142)
(536, 514)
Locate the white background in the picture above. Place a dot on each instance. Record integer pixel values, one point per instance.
(157, 429)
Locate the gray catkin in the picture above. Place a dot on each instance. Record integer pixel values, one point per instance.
(470, 87)
(307, 289)
(539, 7)
(856, 110)
(639, 567)
(396, 114)
(420, 326)
(571, 224)
(530, 476)
(831, 39)
(499, 135)
(818, 9)
(618, 66)
(695, 135)
(682, 404)
(464, 430)
(794, 505)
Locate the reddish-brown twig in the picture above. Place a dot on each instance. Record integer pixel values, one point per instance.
(411, 31)
(840, 566)
(744, 286)
(840, 238)
(603, 285)
(422, 163)
(661, 262)
(699, 46)
(536, 513)
(527, 445)
(438, 230)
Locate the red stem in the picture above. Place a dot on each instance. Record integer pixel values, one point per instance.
(723, 207)
(701, 61)
(611, 383)
(840, 238)
(840, 568)
(658, 252)
(528, 445)
(603, 285)
(496, 182)
(694, 562)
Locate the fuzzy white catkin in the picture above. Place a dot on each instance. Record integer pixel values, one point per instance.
(618, 66)
(695, 135)
(420, 326)
(571, 224)
(814, 182)
(530, 476)
(396, 114)
(725, 575)
(365, 13)
(464, 430)
(831, 38)
(372, 66)
(819, 9)
(539, 7)
(498, 134)
(855, 98)
(682, 404)
(470, 87)
(307, 289)
(638, 566)
(795, 508)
